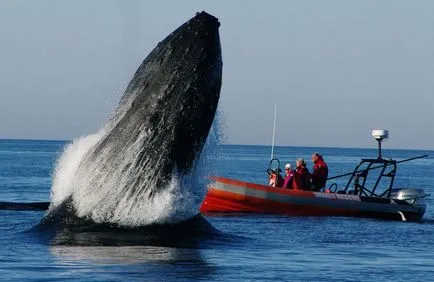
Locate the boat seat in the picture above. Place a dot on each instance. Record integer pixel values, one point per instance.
(341, 192)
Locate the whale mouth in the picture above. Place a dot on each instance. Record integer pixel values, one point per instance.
(141, 167)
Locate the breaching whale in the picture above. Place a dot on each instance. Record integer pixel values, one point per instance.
(152, 141)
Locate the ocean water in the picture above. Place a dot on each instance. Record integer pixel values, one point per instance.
(241, 248)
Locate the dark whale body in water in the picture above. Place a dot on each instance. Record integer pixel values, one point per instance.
(191, 233)
(136, 166)
(24, 206)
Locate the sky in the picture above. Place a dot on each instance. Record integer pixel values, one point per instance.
(335, 69)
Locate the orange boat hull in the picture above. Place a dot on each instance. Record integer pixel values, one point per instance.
(234, 196)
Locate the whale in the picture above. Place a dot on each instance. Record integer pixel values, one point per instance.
(154, 138)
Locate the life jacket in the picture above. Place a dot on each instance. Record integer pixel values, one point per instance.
(296, 182)
(289, 179)
(301, 179)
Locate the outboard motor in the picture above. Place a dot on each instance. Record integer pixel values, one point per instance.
(413, 196)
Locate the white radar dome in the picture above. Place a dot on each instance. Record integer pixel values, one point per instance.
(380, 134)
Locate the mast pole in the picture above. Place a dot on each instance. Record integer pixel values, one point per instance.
(274, 131)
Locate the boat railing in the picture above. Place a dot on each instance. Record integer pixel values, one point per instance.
(358, 180)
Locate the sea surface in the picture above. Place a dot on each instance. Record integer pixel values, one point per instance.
(247, 247)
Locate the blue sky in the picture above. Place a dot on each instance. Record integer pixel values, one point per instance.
(336, 69)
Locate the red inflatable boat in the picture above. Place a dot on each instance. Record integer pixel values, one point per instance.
(356, 199)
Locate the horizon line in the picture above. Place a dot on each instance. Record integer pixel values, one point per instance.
(238, 144)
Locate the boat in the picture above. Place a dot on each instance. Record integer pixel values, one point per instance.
(362, 196)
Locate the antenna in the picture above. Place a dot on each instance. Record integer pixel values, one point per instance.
(380, 135)
(274, 131)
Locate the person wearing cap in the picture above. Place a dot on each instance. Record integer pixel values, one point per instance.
(289, 175)
(320, 172)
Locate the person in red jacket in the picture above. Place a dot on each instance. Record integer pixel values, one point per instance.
(289, 177)
(320, 172)
(301, 176)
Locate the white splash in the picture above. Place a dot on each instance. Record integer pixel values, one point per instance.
(104, 193)
(67, 165)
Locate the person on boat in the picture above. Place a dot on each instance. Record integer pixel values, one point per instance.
(276, 179)
(320, 172)
(301, 176)
(289, 176)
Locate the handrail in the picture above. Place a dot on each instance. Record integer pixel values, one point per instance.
(351, 173)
